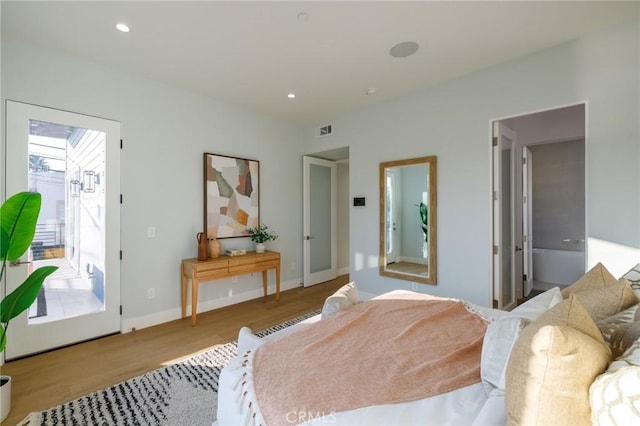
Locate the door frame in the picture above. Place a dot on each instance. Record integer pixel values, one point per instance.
(490, 256)
(310, 278)
(527, 219)
(500, 130)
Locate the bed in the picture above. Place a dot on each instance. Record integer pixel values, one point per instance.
(515, 367)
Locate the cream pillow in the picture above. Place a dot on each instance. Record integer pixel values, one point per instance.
(615, 395)
(345, 297)
(596, 277)
(604, 302)
(615, 398)
(552, 365)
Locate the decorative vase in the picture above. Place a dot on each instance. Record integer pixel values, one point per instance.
(5, 397)
(202, 246)
(260, 247)
(214, 248)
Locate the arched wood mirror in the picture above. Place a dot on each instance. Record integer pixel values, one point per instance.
(408, 219)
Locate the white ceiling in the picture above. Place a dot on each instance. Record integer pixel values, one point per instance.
(253, 54)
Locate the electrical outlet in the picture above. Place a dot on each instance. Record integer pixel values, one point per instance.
(234, 279)
(414, 286)
(151, 232)
(293, 266)
(151, 293)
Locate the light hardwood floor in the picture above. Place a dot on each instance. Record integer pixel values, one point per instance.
(55, 377)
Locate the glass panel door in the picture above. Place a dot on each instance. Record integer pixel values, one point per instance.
(320, 220)
(73, 160)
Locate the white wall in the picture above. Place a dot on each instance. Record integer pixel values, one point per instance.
(453, 120)
(165, 132)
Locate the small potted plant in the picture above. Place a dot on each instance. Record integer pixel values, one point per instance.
(261, 235)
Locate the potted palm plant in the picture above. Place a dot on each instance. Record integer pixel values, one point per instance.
(18, 218)
(261, 235)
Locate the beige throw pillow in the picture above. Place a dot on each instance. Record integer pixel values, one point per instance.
(596, 277)
(604, 302)
(552, 365)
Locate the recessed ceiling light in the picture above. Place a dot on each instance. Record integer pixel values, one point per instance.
(371, 91)
(291, 95)
(123, 28)
(404, 49)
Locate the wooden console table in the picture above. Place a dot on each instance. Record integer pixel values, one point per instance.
(224, 267)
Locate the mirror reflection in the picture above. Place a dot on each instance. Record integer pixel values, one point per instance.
(408, 219)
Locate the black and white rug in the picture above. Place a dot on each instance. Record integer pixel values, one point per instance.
(185, 393)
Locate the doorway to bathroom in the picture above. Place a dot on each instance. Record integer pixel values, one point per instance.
(539, 202)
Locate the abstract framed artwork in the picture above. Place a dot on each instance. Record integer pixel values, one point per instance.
(231, 195)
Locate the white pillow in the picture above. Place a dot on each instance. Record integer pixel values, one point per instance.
(533, 308)
(247, 341)
(502, 334)
(345, 297)
(614, 398)
(499, 339)
(614, 395)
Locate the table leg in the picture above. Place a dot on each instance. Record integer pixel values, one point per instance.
(277, 283)
(194, 301)
(184, 292)
(264, 283)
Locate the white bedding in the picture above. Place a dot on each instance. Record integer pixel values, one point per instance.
(466, 406)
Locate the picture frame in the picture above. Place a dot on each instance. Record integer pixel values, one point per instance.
(231, 195)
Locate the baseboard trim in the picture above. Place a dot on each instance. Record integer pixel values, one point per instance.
(138, 323)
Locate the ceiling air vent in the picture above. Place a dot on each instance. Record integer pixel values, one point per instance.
(324, 130)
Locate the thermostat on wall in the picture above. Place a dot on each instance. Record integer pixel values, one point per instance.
(358, 201)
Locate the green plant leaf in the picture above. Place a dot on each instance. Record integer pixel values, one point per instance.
(4, 243)
(23, 296)
(425, 229)
(18, 218)
(424, 217)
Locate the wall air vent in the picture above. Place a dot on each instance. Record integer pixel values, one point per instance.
(324, 130)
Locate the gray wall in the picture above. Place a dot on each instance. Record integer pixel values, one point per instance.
(558, 195)
(453, 121)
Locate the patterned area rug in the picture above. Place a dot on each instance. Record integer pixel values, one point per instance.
(185, 393)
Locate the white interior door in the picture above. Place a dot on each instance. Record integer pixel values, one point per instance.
(527, 216)
(503, 217)
(320, 220)
(73, 160)
(393, 217)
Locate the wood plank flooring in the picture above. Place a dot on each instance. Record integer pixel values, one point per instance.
(55, 377)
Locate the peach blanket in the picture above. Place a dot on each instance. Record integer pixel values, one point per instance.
(379, 352)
